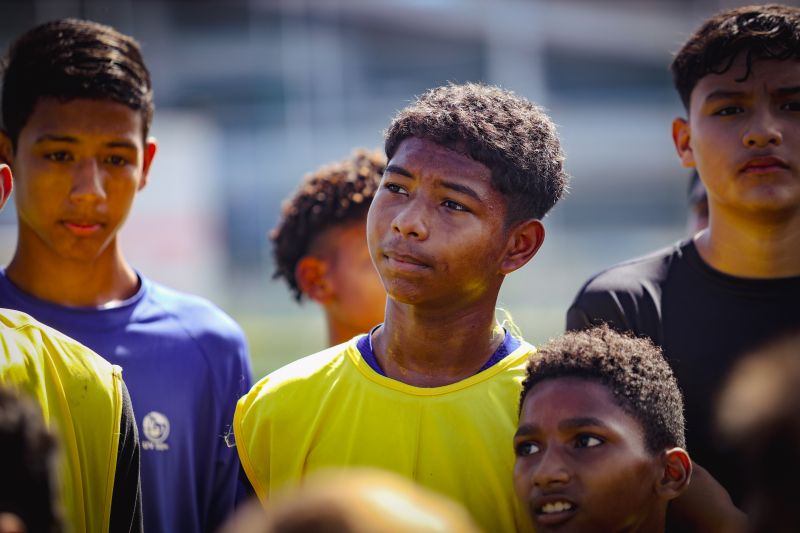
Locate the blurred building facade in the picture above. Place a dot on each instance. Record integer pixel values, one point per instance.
(250, 95)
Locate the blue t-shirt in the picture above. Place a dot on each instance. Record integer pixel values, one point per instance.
(185, 363)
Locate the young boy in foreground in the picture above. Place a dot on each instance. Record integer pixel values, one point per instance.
(710, 299)
(600, 445)
(320, 245)
(432, 393)
(77, 107)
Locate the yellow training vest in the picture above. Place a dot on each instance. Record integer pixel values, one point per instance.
(332, 410)
(81, 400)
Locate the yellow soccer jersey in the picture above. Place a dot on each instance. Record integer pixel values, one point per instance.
(332, 409)
(80, 396)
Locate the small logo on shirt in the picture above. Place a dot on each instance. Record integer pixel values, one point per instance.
(155, 427)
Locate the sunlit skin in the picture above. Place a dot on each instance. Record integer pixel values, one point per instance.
(78, 165)
(576, 447)
(339, 275)
(743, 136)
(437, 235)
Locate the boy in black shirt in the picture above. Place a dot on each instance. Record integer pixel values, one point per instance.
(711, 298)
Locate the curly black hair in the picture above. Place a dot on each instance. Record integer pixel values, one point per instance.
(28, 462)
(760, 32)
(72, 58)
(513, 137)
(332, 195)
(638, 376)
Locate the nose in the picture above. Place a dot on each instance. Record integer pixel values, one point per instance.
(763, 130)
(411, 221)
(88, 182)
(552, 469)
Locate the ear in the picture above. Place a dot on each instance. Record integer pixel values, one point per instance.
(676, 475)
(6, 149)
(150, 148)
(524, 240)
(681, 136)
(6, 183)
(311, 275)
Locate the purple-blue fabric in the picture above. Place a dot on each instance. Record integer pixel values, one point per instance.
(186, 364)
(364, 345)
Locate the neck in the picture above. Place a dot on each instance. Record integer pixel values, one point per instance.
(339, 332)
(40, 272)
(433, 348)
(751, 247)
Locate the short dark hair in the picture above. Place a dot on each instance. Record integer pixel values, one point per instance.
(513, 137)
(68, 59)
(333, 195)
(760, 32)
(633, 369)
(27, 460)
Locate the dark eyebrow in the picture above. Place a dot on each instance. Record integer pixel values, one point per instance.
(722, 94)
(48, 137)
(394, 169)
(460, 188)
(56, 138)
(788, 91)
(572, 423)
(526, 429)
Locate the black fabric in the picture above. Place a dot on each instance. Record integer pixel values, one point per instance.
(703, 319)
(126, 502)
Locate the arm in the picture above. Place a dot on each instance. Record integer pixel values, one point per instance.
(705, 507)
(126, 499)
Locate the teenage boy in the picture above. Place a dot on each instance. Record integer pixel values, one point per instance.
(600, 444)
(87, 407)
(320, 244)
(77, 106)
(432, 393)
(709, 299)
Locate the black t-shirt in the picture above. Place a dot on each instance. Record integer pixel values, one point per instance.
(126, 498)
(703, 319)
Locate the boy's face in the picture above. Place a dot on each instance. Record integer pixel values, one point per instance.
(359, 299)
(582, 464)
(436, 227)
(78, 165)
(744, 136)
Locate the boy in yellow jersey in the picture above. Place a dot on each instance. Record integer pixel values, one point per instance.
(320, 244)
(432, 392)
(86, 404)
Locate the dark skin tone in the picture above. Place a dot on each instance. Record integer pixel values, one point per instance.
(583, 465)
(438, 237)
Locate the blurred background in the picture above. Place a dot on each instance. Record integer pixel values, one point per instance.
(252, 94)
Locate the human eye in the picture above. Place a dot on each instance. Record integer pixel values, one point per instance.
(727, 111)
(395, 188)
(526, 448)
(455, 206)
(116, 160)
(791, 106)
(58, 156)
(585, 440)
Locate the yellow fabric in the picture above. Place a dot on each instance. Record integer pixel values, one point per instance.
(332, 410)
(81, 399)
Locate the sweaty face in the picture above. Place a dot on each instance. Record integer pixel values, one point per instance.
(436, 227)
(582, 464)
(78, 165)
(360, 299)
(744, 136)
